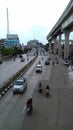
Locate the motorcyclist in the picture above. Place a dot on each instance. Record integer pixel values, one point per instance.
(47, 90)
(57, 62)
(40, 87)
(47, 87)
(39, 62)
(27, 58)
(29, 103)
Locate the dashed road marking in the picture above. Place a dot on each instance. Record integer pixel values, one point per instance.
(23, 109)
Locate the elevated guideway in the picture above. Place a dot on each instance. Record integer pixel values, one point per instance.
(63, 26)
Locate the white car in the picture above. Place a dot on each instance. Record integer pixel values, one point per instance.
(66, 63)
(39, 68)
(22, 59)
(19, 86)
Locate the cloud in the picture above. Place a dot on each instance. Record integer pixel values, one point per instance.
(30, 18)
(36, 32)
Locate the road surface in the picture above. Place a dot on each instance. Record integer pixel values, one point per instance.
(13, 107)
(10, 67)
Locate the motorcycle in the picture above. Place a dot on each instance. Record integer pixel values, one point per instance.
(40, 90)
(29, 106)
(47, 93)
(29, 109)
(42, 58)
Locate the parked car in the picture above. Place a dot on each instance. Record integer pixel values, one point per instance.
(47, 62)
(39, 68)
(20, 86)
(22, 59)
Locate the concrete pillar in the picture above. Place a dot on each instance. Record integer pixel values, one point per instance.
(55, 46)
(66, 45)
(49, 46)
(59, 46)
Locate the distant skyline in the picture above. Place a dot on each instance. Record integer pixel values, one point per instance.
(30, 19)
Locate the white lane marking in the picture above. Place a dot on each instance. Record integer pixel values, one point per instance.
(23, 109)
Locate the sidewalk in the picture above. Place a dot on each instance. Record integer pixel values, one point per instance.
(55, 112)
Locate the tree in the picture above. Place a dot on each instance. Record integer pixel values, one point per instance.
(6, 51)
(46, 47)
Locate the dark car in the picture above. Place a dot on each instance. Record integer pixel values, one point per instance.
(1, 61)
(47, 62)
(20, 56)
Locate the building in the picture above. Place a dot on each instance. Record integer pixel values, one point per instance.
(34, 43)
(12, 40)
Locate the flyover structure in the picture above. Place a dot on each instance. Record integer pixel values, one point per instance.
(63, 26)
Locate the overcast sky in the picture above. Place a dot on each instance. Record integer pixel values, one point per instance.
(30, 19)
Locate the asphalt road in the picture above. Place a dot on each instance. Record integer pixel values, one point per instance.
(13, 107)
(10, 67)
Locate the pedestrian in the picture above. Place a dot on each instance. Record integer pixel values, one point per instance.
(53, 63)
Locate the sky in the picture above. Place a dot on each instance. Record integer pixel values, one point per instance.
(30, 19)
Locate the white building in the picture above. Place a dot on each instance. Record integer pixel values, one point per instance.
(12, 40)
